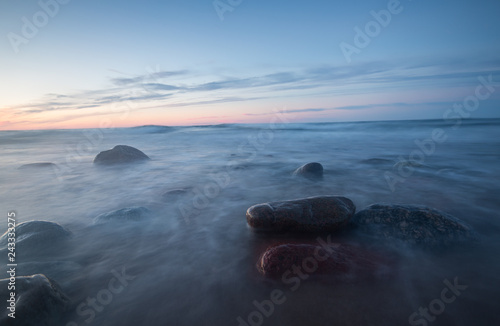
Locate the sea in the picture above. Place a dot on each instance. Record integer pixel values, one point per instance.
(193, 260)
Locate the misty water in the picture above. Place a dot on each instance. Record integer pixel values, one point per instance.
(192, 262)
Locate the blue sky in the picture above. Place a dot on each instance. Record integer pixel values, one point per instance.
(178, 63)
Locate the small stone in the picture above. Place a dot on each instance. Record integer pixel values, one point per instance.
(124, 215)
(310, 170)
(313, 214)
(174, 194)
(40, 165)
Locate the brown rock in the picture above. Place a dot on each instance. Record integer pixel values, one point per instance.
(344, 261)
(313, 214)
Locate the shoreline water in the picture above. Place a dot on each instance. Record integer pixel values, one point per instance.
(203, 268)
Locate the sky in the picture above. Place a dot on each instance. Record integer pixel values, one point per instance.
(90, 64)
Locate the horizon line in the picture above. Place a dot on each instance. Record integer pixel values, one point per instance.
(239, 123)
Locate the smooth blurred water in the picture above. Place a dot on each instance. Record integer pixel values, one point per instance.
(194, 259)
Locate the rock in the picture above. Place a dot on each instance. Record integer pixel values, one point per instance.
(120, 154)
(58, 270)
(40, 165)
(413, 224)
(124, 215)
(313, 214)
(40, 302)
(310, 171)
(36, 236)
(343, 261)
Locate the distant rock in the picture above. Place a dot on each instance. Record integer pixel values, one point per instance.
(413, 224)
(39, 302)
(120, 154)
(124, 215)
(36, 236)
(40, 165)
(313, 214)
(310, 170)
(345, 262)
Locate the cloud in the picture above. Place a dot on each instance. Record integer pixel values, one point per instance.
(147, 78)
(163, 89)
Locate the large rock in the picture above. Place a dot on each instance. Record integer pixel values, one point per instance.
(123, 215)
(40, 302)
(343, 261)
(313, 214)
(35, 237)
(120, 154)
(413, 224)
(310, 170)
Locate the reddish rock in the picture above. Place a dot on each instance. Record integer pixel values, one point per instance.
(343, 261)
(313, 214)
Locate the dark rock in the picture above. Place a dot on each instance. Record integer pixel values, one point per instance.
(40, 165)
(310, 171)
(343, 261)
(120, 154)
(413, 224)
(40, 302)
(313, 214)
(124, 215)
(36, 236)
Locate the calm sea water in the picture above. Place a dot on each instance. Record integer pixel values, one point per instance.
(193, 261)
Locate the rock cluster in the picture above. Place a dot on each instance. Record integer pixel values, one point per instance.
(416, 225)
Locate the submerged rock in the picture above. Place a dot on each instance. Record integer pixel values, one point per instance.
(174, 194)
(40, 165)
(310, 170)
(124, 215)
(120, 154)
(413, 224)
(35, 236)
(313, 214)
(39, 302)
(343, 261)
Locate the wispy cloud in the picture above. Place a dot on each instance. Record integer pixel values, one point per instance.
(184, 88)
